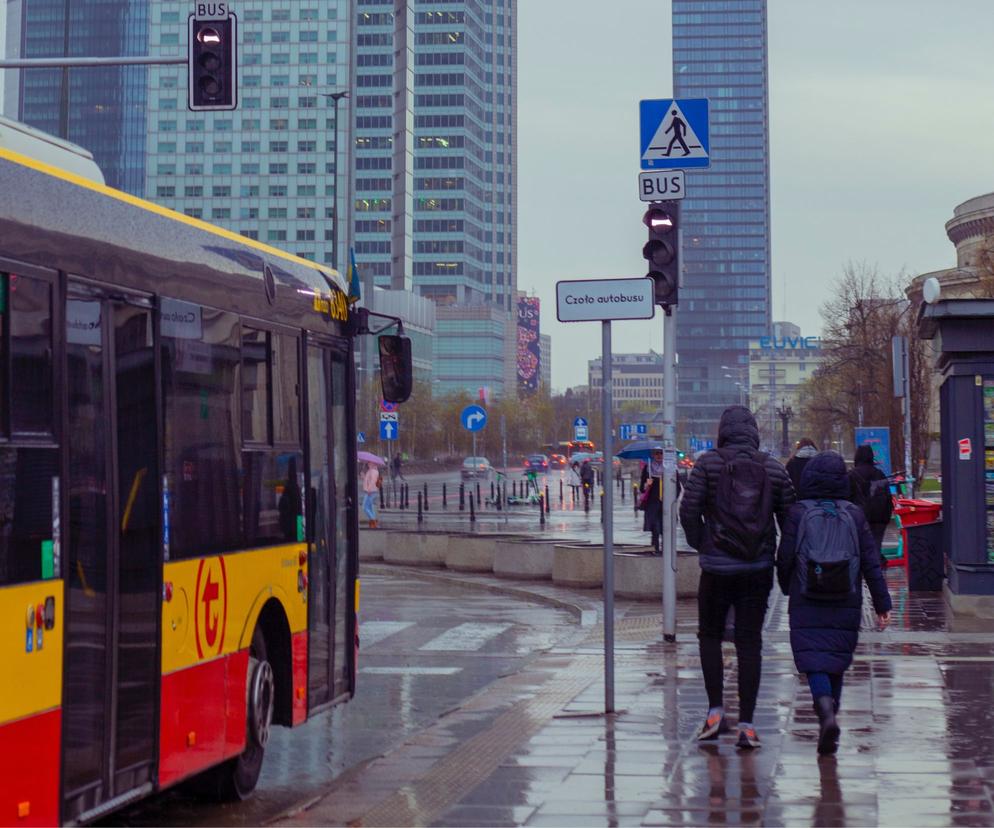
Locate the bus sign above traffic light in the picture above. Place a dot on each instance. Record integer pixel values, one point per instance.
(662, 251)
(213, 62)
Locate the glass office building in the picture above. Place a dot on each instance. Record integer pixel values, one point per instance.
(720, 53)
(100, 108)
(452, 64)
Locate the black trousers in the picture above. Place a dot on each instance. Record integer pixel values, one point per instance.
(749, 594)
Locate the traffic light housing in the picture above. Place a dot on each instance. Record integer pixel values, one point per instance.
(662, 251)
(213, 64)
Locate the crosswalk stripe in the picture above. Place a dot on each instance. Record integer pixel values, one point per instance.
(372, 632)
(411, 671)
(465, 637)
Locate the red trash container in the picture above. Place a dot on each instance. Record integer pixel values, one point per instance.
(913, 512)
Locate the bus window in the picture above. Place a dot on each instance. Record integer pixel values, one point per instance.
(286, 385)
(255, 386)
(30, 319)
(26, 527)
(200, 366)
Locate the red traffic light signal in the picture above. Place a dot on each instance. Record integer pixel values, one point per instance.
(213, 64)
(662, 251)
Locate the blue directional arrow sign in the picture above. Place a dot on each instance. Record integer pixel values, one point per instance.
(473, 417)
(388, 429)
(579, 421)
(640, 428)
(673, 134)
(361, 437)
(625, 431)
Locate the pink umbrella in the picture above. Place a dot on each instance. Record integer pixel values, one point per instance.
(369, 457)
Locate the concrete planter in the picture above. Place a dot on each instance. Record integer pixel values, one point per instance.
(578, 566)
(523, 559)
(372, 543)
(471, 553)
(641, 575)
(416, 548)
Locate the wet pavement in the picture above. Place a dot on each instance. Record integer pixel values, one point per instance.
(535, 748)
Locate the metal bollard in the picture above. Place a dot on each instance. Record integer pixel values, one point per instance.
(420, 516)
(400, 497)
(445, 500)
(498, 499)
(514, 488)
(426, 495)
(560, 492)
(462, 497)
(472, 509)
(622, 486)
(382, 501)
(407, 496)
(602, 507)
(548, 505)
(479, 500)
(492, 490)
(586, 498)
(541, 511)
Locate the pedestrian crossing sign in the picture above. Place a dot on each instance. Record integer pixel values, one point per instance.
(673, 134)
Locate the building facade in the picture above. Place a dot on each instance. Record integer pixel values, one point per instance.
(720, 53)
(779, 365)
(545, 362)
(474, 345)
(442, 76)
(636, 380)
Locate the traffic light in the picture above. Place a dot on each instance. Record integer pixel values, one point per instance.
(213, 64)
(662, 251)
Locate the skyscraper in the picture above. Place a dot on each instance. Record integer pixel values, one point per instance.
(100, 108)
(442, 75)
(720, 53)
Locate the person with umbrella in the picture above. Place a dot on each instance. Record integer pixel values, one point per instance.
(370, 485)
(651, 501)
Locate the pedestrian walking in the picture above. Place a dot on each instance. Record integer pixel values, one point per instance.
(651, 498)
(870, 490)
(370, 484)
(396, 467)
(826, 552)
(587, 481)
(729, 504)
(573, 480)
(803, 451)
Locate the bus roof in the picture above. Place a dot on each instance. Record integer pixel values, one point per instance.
(26, 140)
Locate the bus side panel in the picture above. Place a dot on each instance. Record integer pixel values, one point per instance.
(203, 717)
(30, 702)
(29, 770)
(299, 678)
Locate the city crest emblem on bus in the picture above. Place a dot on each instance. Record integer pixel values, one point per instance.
(211, 609)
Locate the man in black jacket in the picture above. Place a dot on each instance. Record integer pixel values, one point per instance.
(730, 579)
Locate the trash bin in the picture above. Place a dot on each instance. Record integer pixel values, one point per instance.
(926, 562)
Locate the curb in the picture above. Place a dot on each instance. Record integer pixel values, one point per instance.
(586, 614)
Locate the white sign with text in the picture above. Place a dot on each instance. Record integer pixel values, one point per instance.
(599, 300)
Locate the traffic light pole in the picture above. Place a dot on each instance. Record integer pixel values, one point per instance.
(669, 472)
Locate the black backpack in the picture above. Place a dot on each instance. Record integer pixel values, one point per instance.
(743, 510)
(874, 498)
(828, 564)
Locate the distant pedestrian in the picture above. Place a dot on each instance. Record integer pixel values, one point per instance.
(370, 484)
(727, 513)
(573, 480)
(826, 552)
(870, 490)
(396, 465)
(651, 497)
(805, 450)
(587, 481)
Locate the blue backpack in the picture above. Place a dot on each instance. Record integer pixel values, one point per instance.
(828, 562)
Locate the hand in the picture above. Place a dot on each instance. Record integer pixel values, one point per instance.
(883, 619)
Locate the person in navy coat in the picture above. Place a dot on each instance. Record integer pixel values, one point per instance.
(823, 635)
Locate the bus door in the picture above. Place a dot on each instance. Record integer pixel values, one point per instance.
(331, 502)
(112, 573)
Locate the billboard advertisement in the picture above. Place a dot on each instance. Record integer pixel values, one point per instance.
(529, 346)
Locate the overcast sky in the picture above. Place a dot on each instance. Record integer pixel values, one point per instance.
(881, 121)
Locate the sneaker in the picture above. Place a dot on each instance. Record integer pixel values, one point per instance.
(713, 727)
(748, 739)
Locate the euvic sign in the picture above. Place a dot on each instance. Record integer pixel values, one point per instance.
(785, 343)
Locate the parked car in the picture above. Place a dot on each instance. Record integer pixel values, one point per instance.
(476, 467)
(537, 463)
(557, 461)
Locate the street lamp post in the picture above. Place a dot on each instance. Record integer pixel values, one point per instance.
(335, 97)
(785, 412)
(743, 373)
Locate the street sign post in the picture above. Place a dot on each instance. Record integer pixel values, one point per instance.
(580, 429)
(625, 431)
(389, 429)
(604, 300)
(664, 185)
(673, 134)
(641, 429)
(473, 419)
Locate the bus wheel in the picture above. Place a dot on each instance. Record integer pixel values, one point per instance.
(236, 779)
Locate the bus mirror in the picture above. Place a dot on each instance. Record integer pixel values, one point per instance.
(396, 368)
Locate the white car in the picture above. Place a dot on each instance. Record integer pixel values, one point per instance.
(476, 467)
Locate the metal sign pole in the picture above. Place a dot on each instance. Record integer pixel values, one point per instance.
(908, 468)
(608, 515)
(669, 472)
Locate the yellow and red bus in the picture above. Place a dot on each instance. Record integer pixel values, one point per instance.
(178, 529)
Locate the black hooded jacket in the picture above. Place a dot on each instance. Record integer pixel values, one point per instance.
(823, 636)
(737, 432)
(863, 473)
